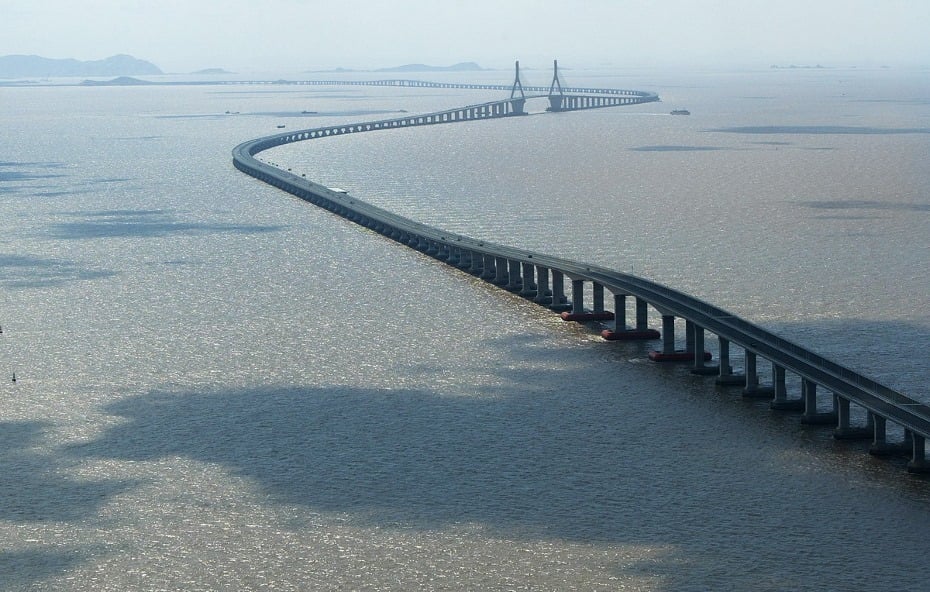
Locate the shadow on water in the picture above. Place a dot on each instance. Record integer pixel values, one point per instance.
(677, 149)
(577, 454)
(34, 490)
(864, 204)
(822, 130)
(22, 569)
(552, 454)
(25, 271)
(142, 224)
(33, 485)
(14, 172)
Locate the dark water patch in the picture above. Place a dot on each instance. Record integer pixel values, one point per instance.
(7, 176)
(42, 165)
(25, 271)
(137, 138)
(25, 570)
(864, 204)
(60, 193)
(571, 454)
(676, 149)
(11, 172)
(914, 101)
(821, 130)
(142, 224)
(32, 484)
(772, 143)
(845, 217)
(34, 491)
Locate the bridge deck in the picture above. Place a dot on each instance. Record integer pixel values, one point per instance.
(879, 399)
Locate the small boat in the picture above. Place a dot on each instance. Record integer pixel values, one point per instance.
(680, 112)
(280, 127)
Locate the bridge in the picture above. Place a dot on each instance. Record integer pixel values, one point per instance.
(543, 279)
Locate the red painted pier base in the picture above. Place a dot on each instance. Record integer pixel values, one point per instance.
(676, 356)
(587, 316)
(630, 335)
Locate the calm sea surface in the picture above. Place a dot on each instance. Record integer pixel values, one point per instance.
(220, 387)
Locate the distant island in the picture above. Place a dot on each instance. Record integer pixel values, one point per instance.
(24, 66)
(460, 67)
(118, 81)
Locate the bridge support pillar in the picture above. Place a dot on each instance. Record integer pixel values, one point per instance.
(668, 334)
(697, 350)
(620, 332)
(501, 277)
(516, 106)
(726, 376)
(880, 444)
(667, 353)
(578, 312)
(752, 388)
(514, 281)
(619, 312)
(597, 295)
(475, 263)
(918, 462)
(543, 293)
(489, 268)
(529, 285)
(844, 430)
(558, 292)
(642, 315)
(577, 296)
(810, 415)
(781, 402)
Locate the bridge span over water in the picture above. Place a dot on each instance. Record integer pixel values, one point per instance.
(856, 406)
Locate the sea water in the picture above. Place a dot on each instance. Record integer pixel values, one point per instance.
(220, 387)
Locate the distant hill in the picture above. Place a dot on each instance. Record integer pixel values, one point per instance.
(23, 66)
(118, 81)
(461, 67)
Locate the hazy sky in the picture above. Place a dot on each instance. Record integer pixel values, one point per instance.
(297, 35)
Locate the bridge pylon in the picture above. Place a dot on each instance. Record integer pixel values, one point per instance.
(517, 103)
(555, 100)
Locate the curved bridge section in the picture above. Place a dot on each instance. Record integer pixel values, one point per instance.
(543, 279)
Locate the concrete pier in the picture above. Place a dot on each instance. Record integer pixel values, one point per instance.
(726, 377)
(559, 302)
(752, 388)
(844, 428)
(811, 416)
(780, 401)
(543, 292)
(620, 331)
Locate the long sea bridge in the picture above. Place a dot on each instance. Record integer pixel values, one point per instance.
(543, 279)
